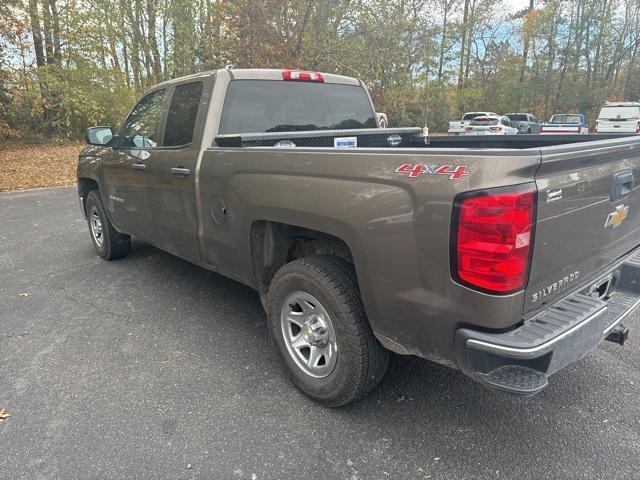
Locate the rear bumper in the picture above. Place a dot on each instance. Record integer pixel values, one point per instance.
(520, 360)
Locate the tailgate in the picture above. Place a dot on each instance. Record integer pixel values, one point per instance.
(588, 215)
(617, 126)
(560, 129)
(456, 127)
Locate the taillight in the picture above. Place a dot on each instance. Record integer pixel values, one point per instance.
(579, 129)
(467, 129)
(492, 233)
(638, 127)
(302, 76)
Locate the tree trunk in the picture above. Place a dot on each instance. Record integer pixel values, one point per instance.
(443, 39)
(36, 32)
(463, 43)
(525, 42)
(55, 20)
(470, 29)
(48, 39)
(153, 41)
(303, 27)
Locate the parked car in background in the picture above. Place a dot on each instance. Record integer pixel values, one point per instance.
(619, 117)
(525, 122)
(565, 123)
(457, 127)
(491, 125)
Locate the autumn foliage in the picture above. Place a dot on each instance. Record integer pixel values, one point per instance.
(66, 64)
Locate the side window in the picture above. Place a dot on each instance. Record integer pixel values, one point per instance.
(140, 127)
(181, 118)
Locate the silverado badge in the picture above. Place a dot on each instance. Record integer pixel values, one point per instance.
(615, 219)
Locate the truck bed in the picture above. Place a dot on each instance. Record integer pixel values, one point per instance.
(408, 138)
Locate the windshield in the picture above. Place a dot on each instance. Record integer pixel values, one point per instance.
(485, 121)
(516, 117)
(257, 106)
(619, 113)
(570, 119)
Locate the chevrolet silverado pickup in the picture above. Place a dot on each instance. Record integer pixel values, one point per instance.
(506, 258)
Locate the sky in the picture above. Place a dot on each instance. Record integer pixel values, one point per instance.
(516, 5)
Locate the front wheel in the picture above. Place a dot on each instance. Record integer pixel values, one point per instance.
(317, 320)
(108, 242)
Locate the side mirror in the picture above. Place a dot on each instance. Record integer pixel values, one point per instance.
(382, 120)
(98, 135)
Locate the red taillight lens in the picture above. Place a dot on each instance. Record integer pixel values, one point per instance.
(467, 129)
(302, 76)
(638, 127)
(493, 233)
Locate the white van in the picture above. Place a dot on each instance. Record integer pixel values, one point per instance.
(619, 117)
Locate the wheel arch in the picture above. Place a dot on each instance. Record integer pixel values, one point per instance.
(274, 244)
(85, 186)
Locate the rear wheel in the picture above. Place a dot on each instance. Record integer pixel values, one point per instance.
(108, 242)
(319, 325)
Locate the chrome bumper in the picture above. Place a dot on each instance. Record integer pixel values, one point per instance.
(559, 335)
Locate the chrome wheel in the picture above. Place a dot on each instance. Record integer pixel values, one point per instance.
(308, 334)
(96, 227)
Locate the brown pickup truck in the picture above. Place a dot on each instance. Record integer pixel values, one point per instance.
(504, 257)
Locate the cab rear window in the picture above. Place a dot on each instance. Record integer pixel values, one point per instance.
(471, 116)
(619, 113)
(484, 121)
(567, 119)
(258, 106)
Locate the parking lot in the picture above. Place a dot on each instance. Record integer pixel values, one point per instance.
(150, 367)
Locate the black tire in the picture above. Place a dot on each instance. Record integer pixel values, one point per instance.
(114, 244)
(361, 361)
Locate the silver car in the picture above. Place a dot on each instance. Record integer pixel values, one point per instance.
(525, 123)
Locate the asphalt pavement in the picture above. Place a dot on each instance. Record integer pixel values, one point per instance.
(150, 367)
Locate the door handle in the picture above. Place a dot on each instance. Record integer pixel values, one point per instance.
(138, 166)
(622, 184)
(180, 172)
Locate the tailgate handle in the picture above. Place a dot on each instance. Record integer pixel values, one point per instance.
(622, 184)
(180, 172)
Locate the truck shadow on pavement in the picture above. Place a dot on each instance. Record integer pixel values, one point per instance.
(418, 405)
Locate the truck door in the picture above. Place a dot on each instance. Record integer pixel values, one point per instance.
(125, 172)
(172, 173)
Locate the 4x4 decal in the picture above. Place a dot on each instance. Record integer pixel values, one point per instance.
(455, 172)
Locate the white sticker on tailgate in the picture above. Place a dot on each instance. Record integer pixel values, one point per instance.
(345, 142)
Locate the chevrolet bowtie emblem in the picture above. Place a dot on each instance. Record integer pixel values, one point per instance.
(616, 218)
